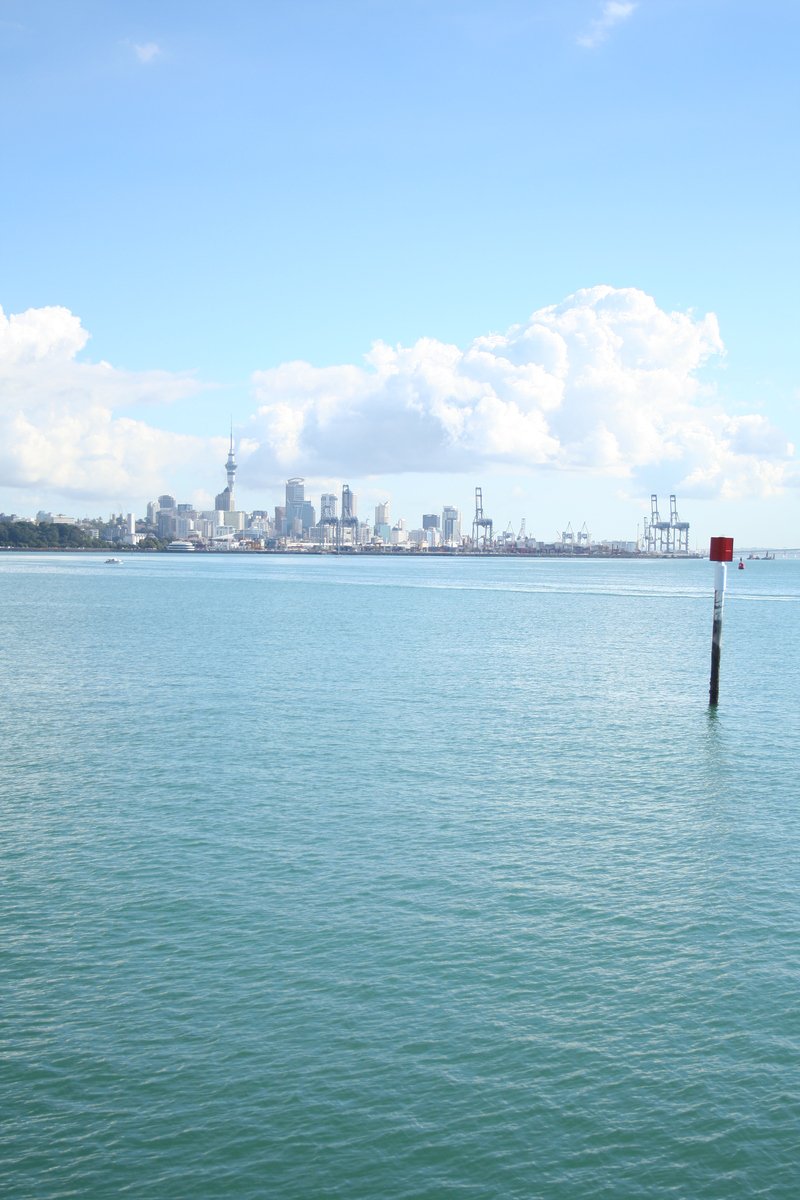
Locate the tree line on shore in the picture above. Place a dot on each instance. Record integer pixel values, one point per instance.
(28, 535)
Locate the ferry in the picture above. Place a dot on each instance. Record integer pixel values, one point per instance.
(182, 547)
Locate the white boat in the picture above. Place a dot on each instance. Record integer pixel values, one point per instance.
(115, 561)
(181, 547)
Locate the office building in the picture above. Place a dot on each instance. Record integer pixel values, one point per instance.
(451, 526)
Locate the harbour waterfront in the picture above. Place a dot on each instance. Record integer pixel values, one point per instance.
(353, 877)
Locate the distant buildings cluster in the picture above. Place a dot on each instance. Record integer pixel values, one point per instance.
(298, 523)
(336, 525)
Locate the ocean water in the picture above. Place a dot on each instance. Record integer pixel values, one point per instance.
(367, 878)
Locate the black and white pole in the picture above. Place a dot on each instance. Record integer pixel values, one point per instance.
(720, 553)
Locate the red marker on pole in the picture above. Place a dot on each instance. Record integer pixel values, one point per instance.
(720, 552)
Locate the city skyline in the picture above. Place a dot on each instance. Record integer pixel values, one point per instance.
(297, 522)
(546, 268)
(298, 515)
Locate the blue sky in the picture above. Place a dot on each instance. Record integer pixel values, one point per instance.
(216, 192)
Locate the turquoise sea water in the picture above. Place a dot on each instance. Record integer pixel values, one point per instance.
(366, 878)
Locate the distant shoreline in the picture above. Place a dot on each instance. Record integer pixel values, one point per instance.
(572, 555)
(363, 553)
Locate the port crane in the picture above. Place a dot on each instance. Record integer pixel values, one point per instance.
(481, 525)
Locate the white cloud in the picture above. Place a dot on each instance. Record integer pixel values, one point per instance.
(146, 52)
(60, 425)
(605, 381)
(612, 13)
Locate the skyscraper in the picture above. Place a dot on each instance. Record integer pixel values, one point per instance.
(295, 495)
(300, 514)
(451, 526)
(295, 503)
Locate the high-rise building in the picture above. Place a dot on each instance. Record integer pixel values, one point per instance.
(295, 492)
(300, 514)
(166, 501)
(451, 526)
(382, 513)
(327, 507)
(430, 521)
(295, 500)
(165, 522)
(308, 516)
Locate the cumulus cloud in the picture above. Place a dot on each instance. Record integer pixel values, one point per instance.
(605, 381)
(612, 13)
(61, 427)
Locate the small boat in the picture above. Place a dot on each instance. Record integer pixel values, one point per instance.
(114, 561)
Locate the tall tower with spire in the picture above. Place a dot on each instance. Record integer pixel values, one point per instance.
(224, 501)
(230, 465)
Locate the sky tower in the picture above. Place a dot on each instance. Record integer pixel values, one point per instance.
(225, 502)
(230, 465)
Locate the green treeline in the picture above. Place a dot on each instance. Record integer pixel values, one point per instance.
(24, 535)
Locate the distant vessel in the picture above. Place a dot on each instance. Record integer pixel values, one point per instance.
(181, 547)
(114, 560)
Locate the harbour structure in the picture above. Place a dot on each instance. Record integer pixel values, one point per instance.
(680, 529)
(328, 520)
(481, 525)
(348, 522)
(665, 537)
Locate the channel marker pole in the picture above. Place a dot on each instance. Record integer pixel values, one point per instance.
(720, 553)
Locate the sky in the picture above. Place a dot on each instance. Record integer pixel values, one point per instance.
(418, 246)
